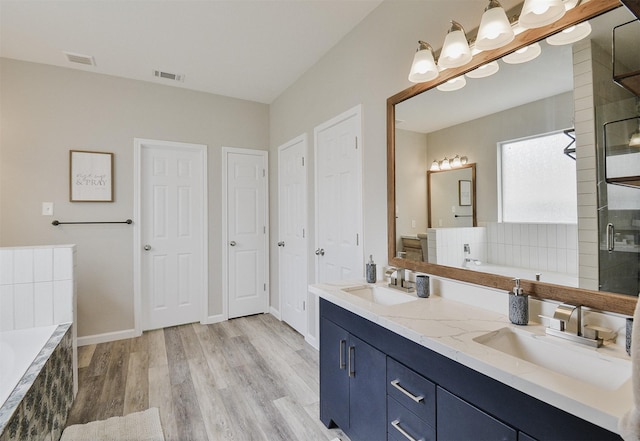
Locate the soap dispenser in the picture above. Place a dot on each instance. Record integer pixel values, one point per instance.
(371, 270)
(518, 305)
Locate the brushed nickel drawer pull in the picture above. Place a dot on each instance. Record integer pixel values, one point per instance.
(343, 344)
(352, 361)
(396, 425)
(416, 398)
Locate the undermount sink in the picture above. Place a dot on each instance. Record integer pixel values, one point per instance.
(584, 364)
(380, 294)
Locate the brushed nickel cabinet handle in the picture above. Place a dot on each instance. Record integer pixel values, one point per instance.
(396, 425)
(416, 398)
(352, 361)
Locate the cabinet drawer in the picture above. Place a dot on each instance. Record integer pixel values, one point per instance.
(412, 390)
(458, 420)
(404, 425)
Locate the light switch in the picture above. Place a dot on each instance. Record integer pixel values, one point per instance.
(47, 208)
(413, 223)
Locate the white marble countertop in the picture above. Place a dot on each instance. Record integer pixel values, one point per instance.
(449, 327)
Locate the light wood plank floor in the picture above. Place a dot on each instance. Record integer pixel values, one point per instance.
(251, 378)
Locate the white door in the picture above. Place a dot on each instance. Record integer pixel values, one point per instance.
(245, 216)
(292, 223)
(171, 237)
(339, 198)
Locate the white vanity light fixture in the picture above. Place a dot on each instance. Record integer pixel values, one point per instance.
(424, 65)
(456, 83)
(434, 166)
(484, 71)
(445, 164)
(634, 138)
(523, 55)
(538, 13)
(455, 50)
(455, 162)
(571, 34)
(495, 29)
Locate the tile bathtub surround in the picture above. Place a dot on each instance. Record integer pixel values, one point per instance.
(36, 286)
(38, 407)
(543, 247)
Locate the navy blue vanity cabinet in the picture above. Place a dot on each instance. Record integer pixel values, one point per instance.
(468, 405)
(352, 384)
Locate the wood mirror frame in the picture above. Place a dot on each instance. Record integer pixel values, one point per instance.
(603, 301)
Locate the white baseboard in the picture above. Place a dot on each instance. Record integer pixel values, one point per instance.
(213, 319)
(274, 312)
(106, 337)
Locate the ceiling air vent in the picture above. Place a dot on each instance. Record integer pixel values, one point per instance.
(168, 75)
(80, 59)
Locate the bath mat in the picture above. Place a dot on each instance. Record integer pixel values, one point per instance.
(139, 426)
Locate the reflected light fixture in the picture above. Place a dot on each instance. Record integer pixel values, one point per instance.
(538, 13)
(571, 34)
(484, 71)
(424, 65)
(523, 55)
(434, 166)
(455, 162)
(456, 83)
(634, 139)
(455, 49)
(445, 165)
(495, 30)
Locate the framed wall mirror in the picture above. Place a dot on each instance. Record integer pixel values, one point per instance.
(527, 102)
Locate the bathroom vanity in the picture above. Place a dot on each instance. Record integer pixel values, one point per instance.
(398, 368)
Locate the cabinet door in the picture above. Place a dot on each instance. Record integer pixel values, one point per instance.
(459, 420)
(367, 391)
(334, 382)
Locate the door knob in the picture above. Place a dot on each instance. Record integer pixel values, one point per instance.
(233, 243)
(281, 243)
(320, 252)
(147, 247)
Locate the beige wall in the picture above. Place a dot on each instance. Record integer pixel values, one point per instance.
(46, 111)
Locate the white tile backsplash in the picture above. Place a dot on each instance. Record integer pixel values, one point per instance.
(36, 286)
(542, 247)
(42, 264)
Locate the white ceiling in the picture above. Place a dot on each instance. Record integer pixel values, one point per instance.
(247, 49)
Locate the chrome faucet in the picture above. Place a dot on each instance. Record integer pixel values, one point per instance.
(399, 282)
(588, 335)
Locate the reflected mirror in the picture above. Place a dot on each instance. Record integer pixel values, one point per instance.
(521, 104)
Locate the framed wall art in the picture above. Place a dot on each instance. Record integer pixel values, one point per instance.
(90, 176)
(464, 193)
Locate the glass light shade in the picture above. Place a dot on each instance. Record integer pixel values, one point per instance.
(538, 13)
(453, 84)
(455, 49)
(464, 160)
(523, 55)
(424, 66)
(495, 30)
(445, 165)
(435, 166)
(571, 34)
(455, 162)
(484, 71)
(634, 139)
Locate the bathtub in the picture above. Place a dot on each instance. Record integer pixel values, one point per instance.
(526, 274)
(36, 381)
(19, 349)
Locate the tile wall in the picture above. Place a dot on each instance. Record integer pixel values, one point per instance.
(543, 247)
(36, 286)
